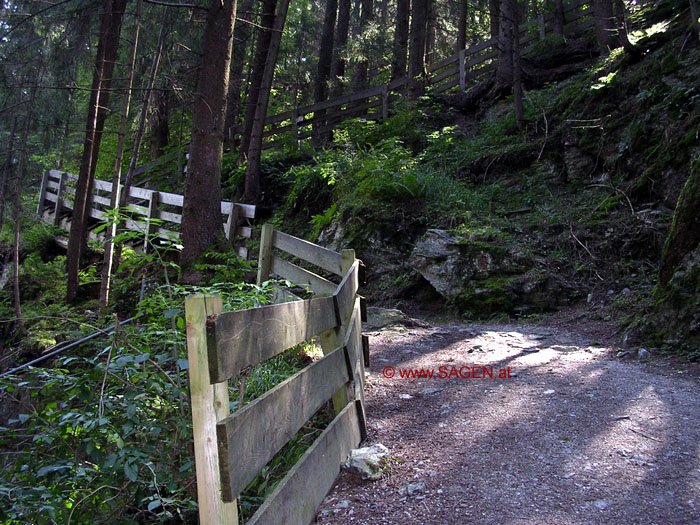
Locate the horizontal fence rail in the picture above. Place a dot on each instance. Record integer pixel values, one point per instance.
(462, 69)
(232, 448)
(57, 195)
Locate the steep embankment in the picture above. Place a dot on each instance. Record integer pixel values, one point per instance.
(450, 204)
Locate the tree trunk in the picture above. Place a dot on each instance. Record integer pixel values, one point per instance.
(323, 71)
(621, 23)
(604, 25)
(116, 177)
(7, 170)
(160, 132)
(694, 17)
(339, 42)
(504, 69)
(21, 169)
(495, 19)
(97, 109)
(517, 70)
(430, 32)
(398, 63)
(462, 25)
(559, 20)
(416, 59)
(252, 174)
(201, 213)
(262, 48)
(361, 77)
(241, 36)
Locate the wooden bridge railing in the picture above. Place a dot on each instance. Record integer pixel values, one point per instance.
(56, 205)
(461, 69)
(222, 345)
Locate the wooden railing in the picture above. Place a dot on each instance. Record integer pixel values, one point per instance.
(231, 449)
(459, 70)
(56, 205)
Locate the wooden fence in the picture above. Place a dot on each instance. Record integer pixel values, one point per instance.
(459, 70)
(56, 206)
(231, 449)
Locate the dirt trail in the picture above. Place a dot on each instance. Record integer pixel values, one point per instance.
(574, 436)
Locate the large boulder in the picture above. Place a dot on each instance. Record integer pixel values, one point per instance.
(482, 277)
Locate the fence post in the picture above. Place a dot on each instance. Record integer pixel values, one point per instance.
(232, 223)
(462, 70)
(152, 214)
(42, 193)
(59, 192)
(209, 403)
(385, 103)
(265, 255)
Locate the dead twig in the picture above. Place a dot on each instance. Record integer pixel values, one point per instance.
(645, 435)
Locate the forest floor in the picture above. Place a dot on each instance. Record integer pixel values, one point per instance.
(579, 433)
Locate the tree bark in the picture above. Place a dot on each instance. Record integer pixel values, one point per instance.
(462, 25)
(621, 23)
(361, 76)
(416, 59)
(160, 131)
(21, 168)
(339, 42)
(97, 109)
(262, 48)
(107, 259)
(201, 213)
(504, 69)
(495, 18)
(559, 20)
(323, 71)
(430, 32)
(517, 69)
(252, 174)
(7, 170)
(604, 25)
(241, 36)
(398, 63)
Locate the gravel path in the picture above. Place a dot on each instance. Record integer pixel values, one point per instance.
(575, 435)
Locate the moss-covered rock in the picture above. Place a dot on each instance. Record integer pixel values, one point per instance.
(485, 277)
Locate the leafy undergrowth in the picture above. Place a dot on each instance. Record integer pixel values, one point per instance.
(103, 433)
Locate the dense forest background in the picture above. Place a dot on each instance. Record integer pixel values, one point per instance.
(567, 175)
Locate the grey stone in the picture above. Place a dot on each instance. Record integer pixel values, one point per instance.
(413, 488)
(383, 317)
(429, 391)
(643, 354)
(601, 504)
(368, 462)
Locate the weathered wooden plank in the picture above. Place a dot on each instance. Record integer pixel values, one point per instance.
(50, 196)
(245, 231)
(353, 340)
(59, 200)
(447, 85)
(299, 275)
(206, 401)
(100, 200)
(295, 500)
(170, 217)
(102, 185)
(141, 193)
(51, 184)
(241, 251)
(345, 293)
(265, 255)
(442, 63)
(317, 255)
(445, 74)
(250, 437)
(42, 193)
(166, 198)
(365, 350)
(96, 214)
(249, 337)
